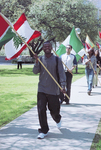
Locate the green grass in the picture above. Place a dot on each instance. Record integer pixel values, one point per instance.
(18, 90)
(96, 144)
(80, 73)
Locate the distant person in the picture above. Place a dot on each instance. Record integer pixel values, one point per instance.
(19, 62)
(100, 61)
(71, 62)
(95, 79)
(90, 61)
(48, 90)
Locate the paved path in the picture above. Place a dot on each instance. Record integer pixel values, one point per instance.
(79, 123)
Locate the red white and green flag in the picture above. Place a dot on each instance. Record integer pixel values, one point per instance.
(89, 42)
(24, 30)
(6, 33)
(77, 46)
(98, 45)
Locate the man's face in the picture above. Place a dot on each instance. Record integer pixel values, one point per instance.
(68, 49)
(47, 47)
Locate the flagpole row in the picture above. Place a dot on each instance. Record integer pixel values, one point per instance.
(34, 54)
(53, 50)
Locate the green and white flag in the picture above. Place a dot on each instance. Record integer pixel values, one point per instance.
(77, 46)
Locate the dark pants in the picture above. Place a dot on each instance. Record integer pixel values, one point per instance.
(52, 101)
(19, 65)
(68, 85)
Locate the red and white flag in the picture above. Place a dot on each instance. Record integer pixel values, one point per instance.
(24, 30)
(99, 34)
(87, 47)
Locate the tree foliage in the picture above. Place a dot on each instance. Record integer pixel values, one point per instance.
(55, 18)
(12, 9)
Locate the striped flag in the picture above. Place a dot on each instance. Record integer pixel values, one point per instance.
(89, 42)
(24, 30)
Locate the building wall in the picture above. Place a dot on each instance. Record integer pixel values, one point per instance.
(2, 60)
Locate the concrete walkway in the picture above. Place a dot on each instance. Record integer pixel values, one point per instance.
(79, 123)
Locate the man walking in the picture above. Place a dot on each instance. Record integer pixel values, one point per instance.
(48, 91)
(71, 62)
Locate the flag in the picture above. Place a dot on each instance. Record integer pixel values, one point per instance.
(6, 33)
(87, 47)
(98, 45)
(89, 42)
(99, 34)
(77, 46)
(24, 30)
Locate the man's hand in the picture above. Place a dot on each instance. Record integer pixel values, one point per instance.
(89, 60)
(63, 90)
(95, 72)
(98, 65)
(70, 71)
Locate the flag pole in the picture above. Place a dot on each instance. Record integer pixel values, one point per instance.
(34, 54)
(99, 67)
(54, 52)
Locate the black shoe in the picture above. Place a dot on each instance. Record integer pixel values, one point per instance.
(67, 103)
(89, 92)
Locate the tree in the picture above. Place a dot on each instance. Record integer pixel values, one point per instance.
(12, 9)
(56, 18)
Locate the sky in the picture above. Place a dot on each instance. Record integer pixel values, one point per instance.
(97, 3)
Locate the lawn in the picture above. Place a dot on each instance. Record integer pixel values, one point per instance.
(18, 90)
